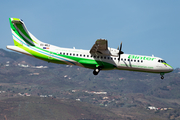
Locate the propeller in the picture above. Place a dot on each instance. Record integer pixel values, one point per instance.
(120, 52)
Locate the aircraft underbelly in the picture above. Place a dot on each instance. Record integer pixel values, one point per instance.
(143, 69)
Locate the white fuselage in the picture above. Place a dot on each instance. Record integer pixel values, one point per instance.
(126, 62)
(99, 57)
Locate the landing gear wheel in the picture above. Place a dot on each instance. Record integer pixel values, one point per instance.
(162, 77)
(95, 73)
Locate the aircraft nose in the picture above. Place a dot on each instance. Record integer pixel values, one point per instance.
(170, 68)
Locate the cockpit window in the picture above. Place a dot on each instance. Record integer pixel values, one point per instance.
(161, 61)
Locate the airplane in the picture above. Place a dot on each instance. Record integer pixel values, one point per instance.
(100, 57)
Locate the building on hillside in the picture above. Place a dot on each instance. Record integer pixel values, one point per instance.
(78, 99)
(152, 108)
(97, 93)
(105, 98)
(22, 65)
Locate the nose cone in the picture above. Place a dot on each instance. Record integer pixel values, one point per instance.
(170, 68)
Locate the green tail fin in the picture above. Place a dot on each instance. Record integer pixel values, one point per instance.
(20, 34)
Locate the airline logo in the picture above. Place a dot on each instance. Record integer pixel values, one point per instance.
(141, 57)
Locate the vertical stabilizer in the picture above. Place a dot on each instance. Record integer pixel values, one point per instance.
(21, 35)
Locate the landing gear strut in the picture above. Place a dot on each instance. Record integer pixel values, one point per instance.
(162, 75)
(96, 70)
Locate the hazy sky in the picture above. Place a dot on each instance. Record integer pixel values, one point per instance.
(144, 27)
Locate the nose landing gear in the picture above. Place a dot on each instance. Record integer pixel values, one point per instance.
(162, 75)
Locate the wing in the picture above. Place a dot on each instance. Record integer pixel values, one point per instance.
(100, 47)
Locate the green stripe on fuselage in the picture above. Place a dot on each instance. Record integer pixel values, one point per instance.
(88, 63)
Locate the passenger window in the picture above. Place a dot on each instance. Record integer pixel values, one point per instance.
(128, 59)
(131, 60)
(124, 59)
(104, 57)
(141, 60)
(66, 53)
(63, 53)
(101, 57)
(60, 52)
(87, 55)
(84, 55)
(138, 60)
(121, 59)
(76, 54)
(94, 56)
(80, 54)
(73, 54)
(134, 60)
(70, 54)
(114, 58)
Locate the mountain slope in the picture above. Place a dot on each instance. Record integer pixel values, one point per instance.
(26, 108)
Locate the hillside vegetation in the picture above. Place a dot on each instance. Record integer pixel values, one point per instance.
(125, 94)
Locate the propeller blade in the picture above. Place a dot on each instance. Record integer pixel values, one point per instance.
(120, 52)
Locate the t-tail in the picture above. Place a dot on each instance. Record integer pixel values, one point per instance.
(22, 38)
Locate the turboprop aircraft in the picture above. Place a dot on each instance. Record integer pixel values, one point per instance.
(100, 57)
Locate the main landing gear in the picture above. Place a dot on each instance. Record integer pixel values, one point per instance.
(162, 75)
(96, 70)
